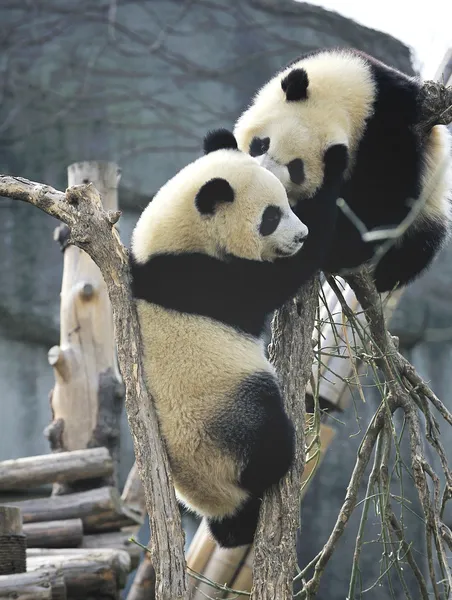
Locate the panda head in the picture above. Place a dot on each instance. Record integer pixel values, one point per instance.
(222, 204)
(319, 101)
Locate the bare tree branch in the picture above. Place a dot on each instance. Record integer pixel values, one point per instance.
(412, 395)
(92, 230)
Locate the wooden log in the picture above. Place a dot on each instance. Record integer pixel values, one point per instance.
(88, 396)
(92, 574)
(223, 566)
(107, 523)
(243, 582)
(115, 540)
(199, 553)
(143, 586)
(41, 584)
(12, 541)
(133, 493)
(29, 592)
(50, 468)
(98, 509)
(54, 534)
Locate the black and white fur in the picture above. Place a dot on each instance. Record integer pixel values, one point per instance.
(214, 253)
(346, 97)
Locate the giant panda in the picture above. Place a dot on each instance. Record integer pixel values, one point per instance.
(216, 251)
(342, 96)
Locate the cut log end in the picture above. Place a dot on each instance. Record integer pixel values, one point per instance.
(59, 361)
(55, 356)
(12, 541)
(10, 520)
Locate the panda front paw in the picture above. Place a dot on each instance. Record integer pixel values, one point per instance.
(336, 162)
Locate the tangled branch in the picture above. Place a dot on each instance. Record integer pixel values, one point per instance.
(403, 389)
(410, 393)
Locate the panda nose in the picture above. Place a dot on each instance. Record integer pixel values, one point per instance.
(300, 238)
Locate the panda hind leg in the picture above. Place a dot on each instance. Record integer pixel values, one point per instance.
(238, 529)
(258, 434)
(402, 264)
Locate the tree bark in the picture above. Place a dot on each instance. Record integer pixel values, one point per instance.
(92, 230)
(88, 395)
(49, 468)
(291, 353)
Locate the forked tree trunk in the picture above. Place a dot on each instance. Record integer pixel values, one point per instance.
(88, 396)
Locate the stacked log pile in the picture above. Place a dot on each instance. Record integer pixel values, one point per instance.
(77, 545)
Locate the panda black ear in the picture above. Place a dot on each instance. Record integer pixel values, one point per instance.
(219, 139)
(295, 85)
(214, 192)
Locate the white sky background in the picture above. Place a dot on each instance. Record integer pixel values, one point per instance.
(423, 25)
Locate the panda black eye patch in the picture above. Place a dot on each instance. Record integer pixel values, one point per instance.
(270, 220)
(259, 146)
(296, 171)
